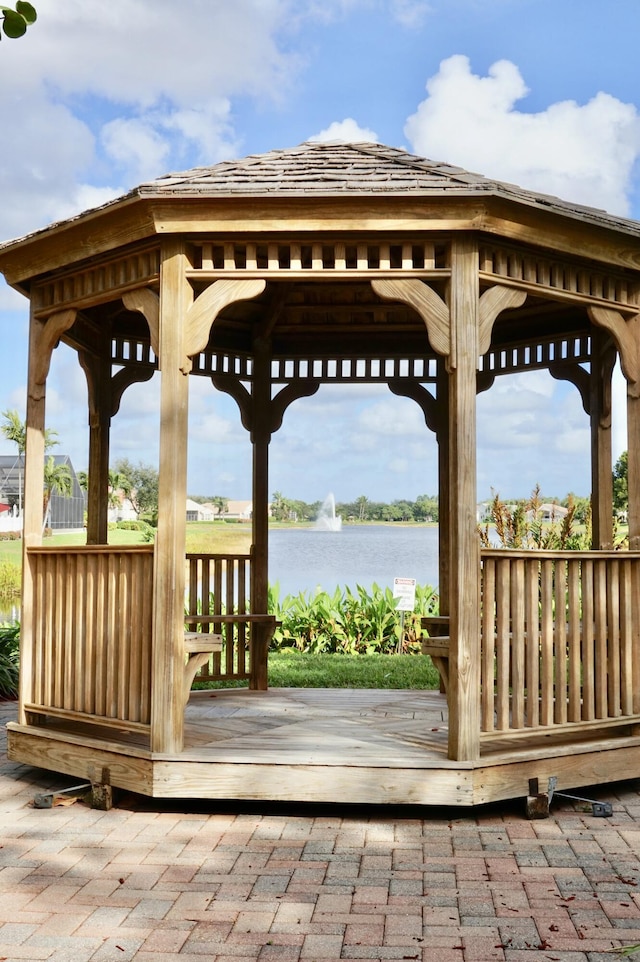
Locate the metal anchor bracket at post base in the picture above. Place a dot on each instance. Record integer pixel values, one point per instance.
(539, 803)
(98, 792)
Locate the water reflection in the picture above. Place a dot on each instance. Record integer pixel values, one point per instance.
(303, 559)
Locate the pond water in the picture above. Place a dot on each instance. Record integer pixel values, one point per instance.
(302, 559)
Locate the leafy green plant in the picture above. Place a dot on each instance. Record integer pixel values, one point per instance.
(356, 622)
(9, 658)
(16, 20)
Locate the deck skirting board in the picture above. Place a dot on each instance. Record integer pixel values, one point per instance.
(285, 781)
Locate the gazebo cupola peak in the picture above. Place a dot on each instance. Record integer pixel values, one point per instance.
(272, 275)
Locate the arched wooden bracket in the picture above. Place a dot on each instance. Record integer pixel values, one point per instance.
(147, 303)
(206, 308)
(484, 381)
(626, 334)
(123, 379)
(577, 375)
(90, 365)
(286, 396)
(424, 300)
(428, 404)
(494, 301)
(47, 336)
(232, 385)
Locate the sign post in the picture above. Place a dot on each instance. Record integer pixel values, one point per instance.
(404, 589)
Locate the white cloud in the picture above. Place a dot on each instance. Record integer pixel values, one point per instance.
(411, 13)
(582, 153)
(348, 131)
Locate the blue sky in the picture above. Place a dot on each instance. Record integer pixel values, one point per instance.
(99, 97)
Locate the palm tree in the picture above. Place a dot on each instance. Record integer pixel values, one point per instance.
(362, 503)
(14, 429)
(118, 482)
(222, 504)
(57, 480)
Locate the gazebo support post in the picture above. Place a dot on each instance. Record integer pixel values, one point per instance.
(32, 533)
(602, 363)
(167, 701)
(464, 544)
(260, 438)
(98, 373)
(633, 467)
(444, 507)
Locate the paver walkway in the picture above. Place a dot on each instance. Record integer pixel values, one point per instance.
(158, 882)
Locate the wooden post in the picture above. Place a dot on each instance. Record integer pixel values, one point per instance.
(633, 476)
(260, 438)
(32, 507)
(464, 673)
(444, 507)
(603, 357)
(167, 699)
(98, 373)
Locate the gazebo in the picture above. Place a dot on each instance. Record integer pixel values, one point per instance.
(272, 275)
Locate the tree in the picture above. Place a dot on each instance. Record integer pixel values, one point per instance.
(280, 506)
(143, 486)
(118, 483)
(57, 480)
(16, 20)
(222, 504)
(362, 504)
(15, 429)
(621, 483)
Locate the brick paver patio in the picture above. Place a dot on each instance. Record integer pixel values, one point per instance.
(161, 882)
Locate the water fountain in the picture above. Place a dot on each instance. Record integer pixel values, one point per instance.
(327, 520)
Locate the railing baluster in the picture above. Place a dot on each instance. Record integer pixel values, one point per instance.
(564, 645)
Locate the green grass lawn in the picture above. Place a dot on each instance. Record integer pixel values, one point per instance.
(295, 669)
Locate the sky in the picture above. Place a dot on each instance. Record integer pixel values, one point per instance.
(99, 97)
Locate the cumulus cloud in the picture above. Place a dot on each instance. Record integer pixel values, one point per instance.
(581, 152)
(348, 131)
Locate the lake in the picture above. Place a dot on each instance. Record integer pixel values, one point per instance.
(302, 559)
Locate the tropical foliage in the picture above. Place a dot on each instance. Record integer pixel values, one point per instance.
(349, 622)
(57, 480)
(523, 526)
(9, 659)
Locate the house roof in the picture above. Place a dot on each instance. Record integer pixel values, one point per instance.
(343, 169)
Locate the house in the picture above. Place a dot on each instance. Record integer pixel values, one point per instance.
(199, 512)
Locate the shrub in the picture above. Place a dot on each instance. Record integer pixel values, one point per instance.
(10, 535)
(349, 622)
(10, 579)
(9, 658)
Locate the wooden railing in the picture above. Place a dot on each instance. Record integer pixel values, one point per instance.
(218, 602)
(560, 640)
(90, 627)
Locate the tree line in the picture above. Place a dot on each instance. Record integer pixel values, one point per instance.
(139, 484)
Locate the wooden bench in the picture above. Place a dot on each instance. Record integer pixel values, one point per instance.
(198, 647)
(436, 645)
(266, 625)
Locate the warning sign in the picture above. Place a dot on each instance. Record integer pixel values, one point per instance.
(404, 589)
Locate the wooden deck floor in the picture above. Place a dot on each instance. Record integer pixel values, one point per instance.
(318, 726)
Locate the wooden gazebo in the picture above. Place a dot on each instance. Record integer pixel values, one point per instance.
(272, 275)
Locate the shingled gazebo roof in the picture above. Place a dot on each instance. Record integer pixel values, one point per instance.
(343, 169)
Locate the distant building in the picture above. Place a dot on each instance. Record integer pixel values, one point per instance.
(199, 512)
(63, 512)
